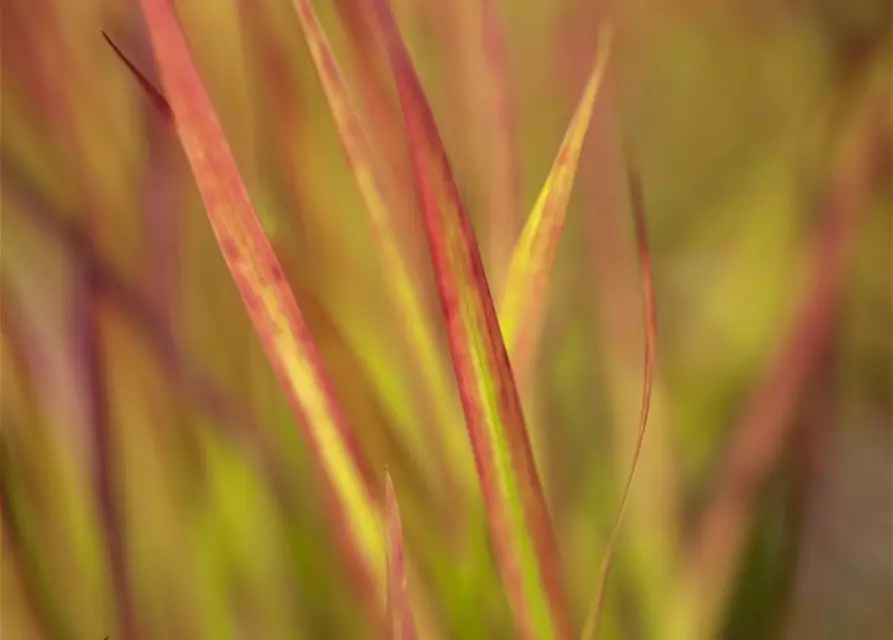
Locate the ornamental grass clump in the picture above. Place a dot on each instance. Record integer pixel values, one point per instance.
(491, 346)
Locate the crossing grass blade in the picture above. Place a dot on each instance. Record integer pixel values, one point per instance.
(524, 298)
(516, 509)
(405, 297)
(650, 322)
(400, 618)
(355, 511)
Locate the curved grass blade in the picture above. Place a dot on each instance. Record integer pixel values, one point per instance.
(271, 305)
(650, 321)
(523, 300)
(516, 509)
(400, 619)
(361, 159)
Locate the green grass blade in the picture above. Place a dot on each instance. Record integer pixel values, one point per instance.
(271, 304)
(524, 298)
(516, 509)
(650, 322)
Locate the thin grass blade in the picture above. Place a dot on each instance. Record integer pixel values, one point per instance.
(649, 311)
(516, 509)
(271, 305)
(400, 618)
(155, 96)
(524, 298)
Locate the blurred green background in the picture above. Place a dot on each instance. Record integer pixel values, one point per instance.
(154, 483)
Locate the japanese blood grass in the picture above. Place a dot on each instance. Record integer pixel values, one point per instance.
(482, 344)
(355, 510)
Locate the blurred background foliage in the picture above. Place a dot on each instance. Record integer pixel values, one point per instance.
(153, 482)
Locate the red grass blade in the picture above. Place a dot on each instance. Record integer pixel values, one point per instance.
(650, 317)
(271, 304)
(516, 509)
(400, 618)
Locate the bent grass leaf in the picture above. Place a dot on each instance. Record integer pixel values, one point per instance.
(524, 297)
(271, 305)
(359, 153)
(649, 311)
(516, 509)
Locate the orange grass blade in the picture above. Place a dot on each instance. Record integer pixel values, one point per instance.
(649, 311)
(399, 608)
(516, 509)
(362, 161)
(523, 300)
(270, 303)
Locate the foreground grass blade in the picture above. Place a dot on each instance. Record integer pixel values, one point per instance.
(524, 297)
(650, 322)
(516, 509)
(400, 618)
(361, 160)
(271, 304)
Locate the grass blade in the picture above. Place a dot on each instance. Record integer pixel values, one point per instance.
(516, 509)
(523, 301)
(650, 321)
(399, 609)
(361, 159)
(155, 96)
(501, 150)
(271, 304)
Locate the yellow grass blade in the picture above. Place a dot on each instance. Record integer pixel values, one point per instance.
(524, 298)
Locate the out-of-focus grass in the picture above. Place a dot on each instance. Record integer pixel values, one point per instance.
(154, 484)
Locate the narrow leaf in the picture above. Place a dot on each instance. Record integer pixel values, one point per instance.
(399, 608)
(650, 322)
(516, 509)
(155, 96)
(402, 288)
(271, 304)
(524, 298)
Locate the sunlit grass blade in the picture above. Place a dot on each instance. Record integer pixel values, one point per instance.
(516, 509)
(524, 298)
(650, 323)
(400, 618)
(406, 299)
(271, 305)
